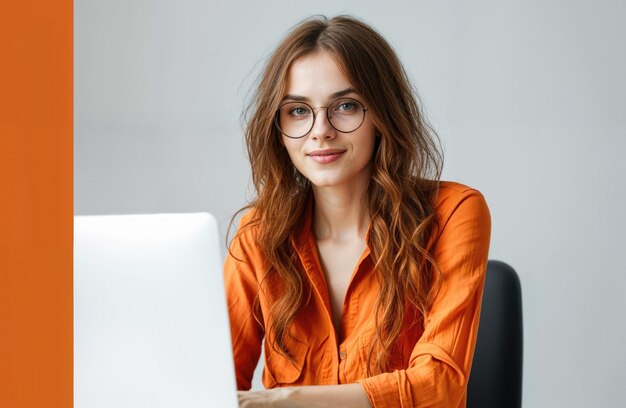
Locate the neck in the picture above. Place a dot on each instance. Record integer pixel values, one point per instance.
(340, 213)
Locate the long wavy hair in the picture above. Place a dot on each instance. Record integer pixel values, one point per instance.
(406, 169)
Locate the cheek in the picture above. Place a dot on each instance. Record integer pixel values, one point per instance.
(370, 140)
(292, 146)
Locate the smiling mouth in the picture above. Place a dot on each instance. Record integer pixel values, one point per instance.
(322, 157)
(325, 153)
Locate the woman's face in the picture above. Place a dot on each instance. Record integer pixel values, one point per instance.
(326, 156)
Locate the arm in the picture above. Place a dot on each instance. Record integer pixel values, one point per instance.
(313, 396)
(440, 362)
(241, 289)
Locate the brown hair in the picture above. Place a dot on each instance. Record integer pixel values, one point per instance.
(405, 179)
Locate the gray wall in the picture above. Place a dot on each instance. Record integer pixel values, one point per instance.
(528, 97)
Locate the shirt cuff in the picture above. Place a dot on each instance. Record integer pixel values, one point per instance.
(432, 373)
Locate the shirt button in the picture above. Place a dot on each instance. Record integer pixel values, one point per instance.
(342, 355)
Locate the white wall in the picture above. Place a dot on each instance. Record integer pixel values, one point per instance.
(528, 97)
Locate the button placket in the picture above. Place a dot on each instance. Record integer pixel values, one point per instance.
(342, 366)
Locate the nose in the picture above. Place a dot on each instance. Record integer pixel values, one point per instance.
(321, 126)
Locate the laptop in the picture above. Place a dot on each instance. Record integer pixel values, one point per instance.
(150, 316)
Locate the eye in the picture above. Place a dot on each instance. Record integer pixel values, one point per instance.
(345, 106)
(298, 111)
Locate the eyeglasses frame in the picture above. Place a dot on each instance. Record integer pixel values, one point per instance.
(314, 110)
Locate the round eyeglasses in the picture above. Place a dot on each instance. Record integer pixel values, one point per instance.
(296, 119)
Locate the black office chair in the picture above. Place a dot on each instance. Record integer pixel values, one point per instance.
(496, 377)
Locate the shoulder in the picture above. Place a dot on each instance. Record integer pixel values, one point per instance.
(456, 201)
(451, 194)
(244, 243)
(248, 226)
(451, 191)
(245, 262)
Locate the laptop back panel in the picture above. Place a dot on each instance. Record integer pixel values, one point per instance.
(150, 318)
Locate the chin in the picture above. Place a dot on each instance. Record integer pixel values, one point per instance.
(316, 183)
(325, 181)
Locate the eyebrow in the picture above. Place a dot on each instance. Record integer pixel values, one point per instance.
(335, 95)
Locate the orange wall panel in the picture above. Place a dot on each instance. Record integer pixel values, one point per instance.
(36, 203)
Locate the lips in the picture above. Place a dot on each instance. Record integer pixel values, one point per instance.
(326, 155)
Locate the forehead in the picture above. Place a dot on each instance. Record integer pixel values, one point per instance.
(315, 76)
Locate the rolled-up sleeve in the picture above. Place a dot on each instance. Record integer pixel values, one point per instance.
(440, 362)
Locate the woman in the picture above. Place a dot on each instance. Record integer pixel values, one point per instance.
(360, 269)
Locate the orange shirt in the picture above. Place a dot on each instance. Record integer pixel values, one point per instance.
(430, 366)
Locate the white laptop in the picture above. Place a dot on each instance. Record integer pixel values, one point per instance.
(150, 317)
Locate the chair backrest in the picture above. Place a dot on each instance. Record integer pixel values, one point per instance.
(496, 376)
